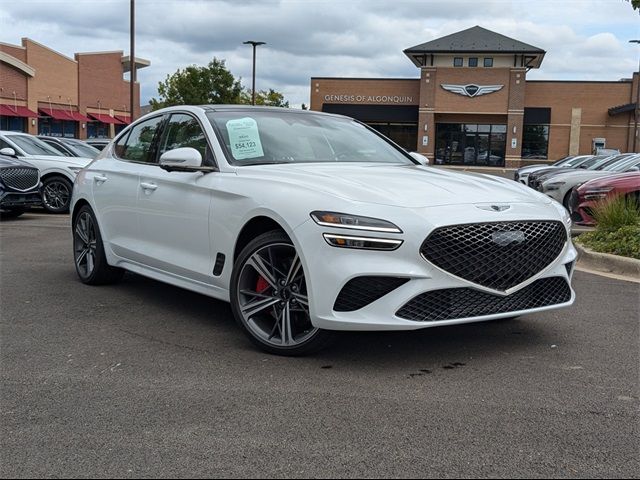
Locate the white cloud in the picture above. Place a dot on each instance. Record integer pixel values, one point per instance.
(585, 39)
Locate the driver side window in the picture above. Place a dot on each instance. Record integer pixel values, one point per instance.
(182, 131)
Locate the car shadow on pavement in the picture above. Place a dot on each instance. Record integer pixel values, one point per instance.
(447, 347)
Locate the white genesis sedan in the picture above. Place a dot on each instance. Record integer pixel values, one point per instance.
(309, 222)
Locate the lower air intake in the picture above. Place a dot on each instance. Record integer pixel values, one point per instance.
(455, 303)
(361, 291)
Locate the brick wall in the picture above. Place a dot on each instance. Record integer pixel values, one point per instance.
(11, 79)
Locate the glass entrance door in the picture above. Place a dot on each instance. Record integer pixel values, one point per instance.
(470, 144)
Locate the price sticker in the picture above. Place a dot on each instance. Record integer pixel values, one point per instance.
(244, 138)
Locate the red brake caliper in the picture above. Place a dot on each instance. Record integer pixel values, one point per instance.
(262, 284)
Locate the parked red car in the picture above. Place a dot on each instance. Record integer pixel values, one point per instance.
(585, 197)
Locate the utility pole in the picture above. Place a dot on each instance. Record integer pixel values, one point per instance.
(132, 58)
(253, 88)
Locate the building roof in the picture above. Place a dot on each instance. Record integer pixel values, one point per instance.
(476, 40)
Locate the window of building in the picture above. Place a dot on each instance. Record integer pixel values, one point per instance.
(57, 128)
(473, 62)
(13, 124)
(535, 141)
(137, 146)
(457, 61)
(471, 144)
(488, 62)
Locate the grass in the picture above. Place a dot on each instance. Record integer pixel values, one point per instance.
(617, 230)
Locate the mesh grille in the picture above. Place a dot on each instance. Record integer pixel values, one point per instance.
(19, 178)
(454, 303)
(361, 291)
(496, 255)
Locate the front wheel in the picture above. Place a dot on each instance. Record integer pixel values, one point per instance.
(56, 194)
(269, 297)
(88, 251)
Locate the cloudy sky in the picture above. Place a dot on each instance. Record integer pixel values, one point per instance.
(584, 39)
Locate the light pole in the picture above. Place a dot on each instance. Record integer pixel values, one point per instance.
(253, 88)
(637, 109)
(132, 58)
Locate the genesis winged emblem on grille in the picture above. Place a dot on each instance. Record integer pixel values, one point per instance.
(507, 238)
(494, 208)
(471, 90)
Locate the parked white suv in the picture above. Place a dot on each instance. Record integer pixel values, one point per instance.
(56, 171)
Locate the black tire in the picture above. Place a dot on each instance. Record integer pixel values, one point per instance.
(88, 251)
(12, 212)
(56, 194)
(566, 200)
(289, 295)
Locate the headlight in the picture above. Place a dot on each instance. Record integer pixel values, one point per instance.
(353, 222)
(552, 186)
(596, 193)
(362, 243)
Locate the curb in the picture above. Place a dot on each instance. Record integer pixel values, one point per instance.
(606, 262)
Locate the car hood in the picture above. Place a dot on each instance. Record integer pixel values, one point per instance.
(63, 161)
(396, 185)
(13, 162)
(629, 179)
(578, 176)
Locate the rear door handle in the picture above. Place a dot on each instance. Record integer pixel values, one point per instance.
(149, 186)
(99, 178)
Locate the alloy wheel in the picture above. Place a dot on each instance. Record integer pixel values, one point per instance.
(272, 297)
(56, 195)
(84, 244)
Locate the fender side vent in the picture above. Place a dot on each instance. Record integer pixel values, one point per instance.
(219, 266)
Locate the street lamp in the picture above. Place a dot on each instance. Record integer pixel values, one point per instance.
(637, 109)
(253, 89)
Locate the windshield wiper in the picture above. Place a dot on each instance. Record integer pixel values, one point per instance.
(262, 162)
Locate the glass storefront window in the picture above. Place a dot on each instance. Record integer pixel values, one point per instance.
(13, 124)
(97, 130)
(404, 134)
(57, 128)
(535, 141)
(470, 144)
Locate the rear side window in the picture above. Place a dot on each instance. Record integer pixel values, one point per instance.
(138, 145)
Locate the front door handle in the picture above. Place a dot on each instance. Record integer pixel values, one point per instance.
(149, 186)
(99, 178)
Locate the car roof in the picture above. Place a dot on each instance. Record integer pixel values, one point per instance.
(247, 108)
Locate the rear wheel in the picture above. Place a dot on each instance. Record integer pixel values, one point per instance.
(56, 194)
(88, 251)
(269, 297)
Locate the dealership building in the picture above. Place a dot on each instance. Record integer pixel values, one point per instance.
(46, 93)
(473, 104)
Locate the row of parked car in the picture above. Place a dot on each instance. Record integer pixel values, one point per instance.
(40, 171)
(580, 182)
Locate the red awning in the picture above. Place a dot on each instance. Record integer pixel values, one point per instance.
(104, 118)
(78, 117)
(57, 114)
(124, 119)
(13, 111)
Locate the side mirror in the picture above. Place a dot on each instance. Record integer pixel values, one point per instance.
(9, 152)
(420, 158)
(184, 159)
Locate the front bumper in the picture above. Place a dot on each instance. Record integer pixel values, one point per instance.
(329, 269)
(20, 200)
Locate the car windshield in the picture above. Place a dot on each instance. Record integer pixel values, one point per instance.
(622, 165)
(82, 149)
(33, 146)
(265, 137)
(599, 162)
(562, 161)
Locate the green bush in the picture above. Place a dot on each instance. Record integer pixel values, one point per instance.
(624, 241)
(618, 228)
(618, 212)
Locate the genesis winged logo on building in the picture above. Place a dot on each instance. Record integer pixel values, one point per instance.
(471, 90)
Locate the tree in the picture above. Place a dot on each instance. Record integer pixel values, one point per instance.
(196, 85)
(269, 98)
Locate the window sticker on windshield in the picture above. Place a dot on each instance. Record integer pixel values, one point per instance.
(244, 138)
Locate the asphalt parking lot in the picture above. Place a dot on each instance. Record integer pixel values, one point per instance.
(142, 379)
